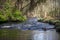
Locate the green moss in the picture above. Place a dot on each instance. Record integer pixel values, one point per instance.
(50, 21)
(41, 20)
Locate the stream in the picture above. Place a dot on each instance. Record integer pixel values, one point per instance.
(37, 33)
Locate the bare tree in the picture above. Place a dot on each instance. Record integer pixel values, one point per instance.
(18, 2)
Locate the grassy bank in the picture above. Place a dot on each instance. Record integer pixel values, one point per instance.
(50, 21)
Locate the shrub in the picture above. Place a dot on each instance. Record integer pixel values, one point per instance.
(6, 13)
(17, 15)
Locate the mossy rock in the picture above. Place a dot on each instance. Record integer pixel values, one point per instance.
(41, 20)
(58, 29)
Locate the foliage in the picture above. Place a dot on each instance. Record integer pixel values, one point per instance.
(6, 13)
(54, 12)
(18, 16)
(2, 16)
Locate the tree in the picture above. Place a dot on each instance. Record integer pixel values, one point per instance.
(7, 15)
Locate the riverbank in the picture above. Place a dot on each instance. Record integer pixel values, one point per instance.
(54, 22)
(50, 21)
(17, 21)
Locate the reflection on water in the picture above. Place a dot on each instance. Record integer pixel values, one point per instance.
(39, 35)
(29, 35)
(45, 35)
(35, 33)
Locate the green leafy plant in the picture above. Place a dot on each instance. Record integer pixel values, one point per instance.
(7, 15)
(17, 15)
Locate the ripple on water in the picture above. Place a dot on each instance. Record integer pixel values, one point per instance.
(30, 24)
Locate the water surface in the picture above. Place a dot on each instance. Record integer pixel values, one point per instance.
(31, 29)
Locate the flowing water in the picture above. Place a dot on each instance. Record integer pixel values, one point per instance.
(37, 33)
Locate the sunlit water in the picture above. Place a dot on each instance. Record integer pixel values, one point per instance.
(37, 33)
(45, 35)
